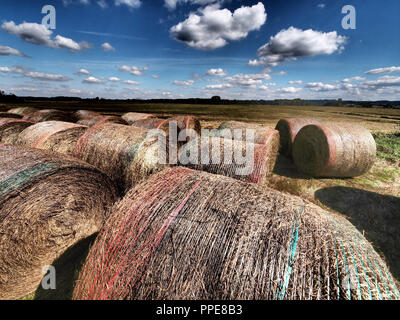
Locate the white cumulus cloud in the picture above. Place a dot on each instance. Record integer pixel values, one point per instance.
(107, 47)
(136, 71)
(218, 72)
(8, 51)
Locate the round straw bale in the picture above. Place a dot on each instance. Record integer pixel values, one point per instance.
(187, 122)
(56, 136)
(90, 122)
(241, 160)
(125, 153)
(85, 114)
(10, 115)
(262, 135)
(152, 123)
(288, 129)
(131, 117)
(49, 115)
(23, 110)
(11, 128)
(48, 203)
(334, 150)
(186, 234)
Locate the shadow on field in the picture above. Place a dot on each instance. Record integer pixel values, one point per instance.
(67, 270)
(375, 215)
(285, 167)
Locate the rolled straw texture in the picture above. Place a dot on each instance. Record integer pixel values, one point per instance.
(101, 119)
(23, 110)
(50, 115)
(56, 136)
(11, 128)
(187, 122)
(131, 117)
(241, 160)
(334, 150)
(124, 153)
(187, 234)
(288, 129)
(85, 114)
(262, 135)
(10, 115)
(48, 203)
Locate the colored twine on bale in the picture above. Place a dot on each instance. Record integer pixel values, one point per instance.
(185, 234)
(48, 203)
(334, 150)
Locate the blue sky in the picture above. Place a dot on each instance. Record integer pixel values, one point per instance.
(199, 48)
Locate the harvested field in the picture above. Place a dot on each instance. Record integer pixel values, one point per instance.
(48, 202)
(11, 128)
(186, 234)
(56, 136)
(125, 153)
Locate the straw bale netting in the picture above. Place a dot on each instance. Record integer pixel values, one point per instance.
(262, 135)
(131, 117)
(48, 203)
(90, 122)
(50, 115)
(288, 129)
(241, 160)
(334, 150)
(85, 114)
(125, 153)
(56, 136)
(23, 110)
(10, 115)
(11, 128)
(186, 234)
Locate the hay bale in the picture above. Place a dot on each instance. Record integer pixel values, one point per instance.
(288, 129)
(131, 117)
(10, 115)
(334, 150)
(49, 115)
(125, 153)
(262, 135)
(23, 110)
(241, 160)
(56, 136)
(187, 122)
(90, 122)
(187, 234)
(85, 114)
(48, 203)
(11, 128)
(152, 123)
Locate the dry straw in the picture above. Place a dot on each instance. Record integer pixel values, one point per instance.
(23, 110)
(50, 115)
(131, 117)
(90, 122)
(48, 204)
(228, 157)
(262, 135)
(334, 150)
(288, 129)
(85, 114)
(125, 153)
(10, 115)
(11, 128)
(187, 234)
(56, 136)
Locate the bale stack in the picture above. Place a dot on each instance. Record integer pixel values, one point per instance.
(90, 122)
(10, 115)
(126, 154)
(56, 136)
(187, 122)
(288, 129)
(152, 123)
(49, 115)
(23, 110)
(241, 160)
(334, 150)
(11, 128)
(186, 234)
(85, 114)
(48, 203)
(131, 117)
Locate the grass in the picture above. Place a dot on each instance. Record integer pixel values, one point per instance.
(388, 146)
